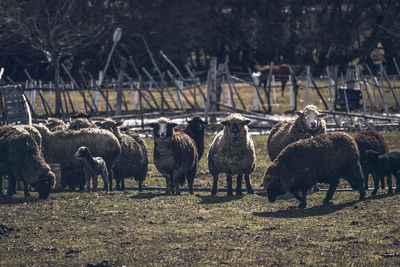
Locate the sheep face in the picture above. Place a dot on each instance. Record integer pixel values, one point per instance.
(163, 130)
(45, 183)
(370, 156)
(236, 127)
(310, 117)
(109, 125)
(81, 153)
(197, 124)
(272, 187)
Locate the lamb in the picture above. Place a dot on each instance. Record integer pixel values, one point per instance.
(195, 129)
(175, 155)
(370, 140)
(324, 158)
(20, 159)
(94, 166)
(387, 164)
(232, 152)
(60, 146)
(309, 123)
(133, 161)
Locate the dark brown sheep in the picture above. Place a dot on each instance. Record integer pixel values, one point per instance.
(21, 160)
(324, 158)
(175, 155)
(81, 123)
(133, 161)
(195, 129)
(370, 140)
(382, 165)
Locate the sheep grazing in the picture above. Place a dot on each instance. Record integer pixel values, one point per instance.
(309, 123)
(195, 129)
(54, 124)
(387, 164)
(232, 152)
(370, 140)
(21, 160)
(175, 155)
(133, 161)
(94, 166)
(324, 158)
(60, 147)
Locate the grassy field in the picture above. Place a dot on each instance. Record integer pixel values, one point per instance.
(145, 229)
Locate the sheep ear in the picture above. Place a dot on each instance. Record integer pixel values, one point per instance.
(298, 113)
(225, 123)
(119, 123)
(246, 122)
(322, 115)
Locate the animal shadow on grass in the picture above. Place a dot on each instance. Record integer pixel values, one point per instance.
(217, 199)
(148, 195)
(18, 200)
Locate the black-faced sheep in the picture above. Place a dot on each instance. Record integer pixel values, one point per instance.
(133, 161)
(370, 140)
(232, 152)
(93, 167)
(387, 164)
(309, 123)
(195, 129)
(175, 155)
(324, 158)
(60, 146)
(21, 160)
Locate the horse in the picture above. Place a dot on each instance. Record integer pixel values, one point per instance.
(281, 73)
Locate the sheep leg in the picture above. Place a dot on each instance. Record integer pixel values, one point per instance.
(12, 183)
(123, 184)
(248, 184)
(1, 185)
(190, 184)
(389, 182)
(140, 186)
(383, 182)
(396, 174)
(108, 186)
(215, 185)
(239, 180)
(365, 173)
(88, 183)
(176, 186)
(229, 184)
(376, 185)
(330, 192)
(168, 180)
(303, 199)
(118, 184)
(95, 182)
(26, 189)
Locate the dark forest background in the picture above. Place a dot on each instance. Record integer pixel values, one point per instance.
(38, 35)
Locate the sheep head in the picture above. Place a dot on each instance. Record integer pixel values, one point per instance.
(81, 153)
(196, 124)
(273, 183)
(235, 125)
(163, 128)
(370, 156)
(45, 183)
(110, 125)
(310, 117)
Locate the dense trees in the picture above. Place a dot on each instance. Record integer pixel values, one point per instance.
(39, 34)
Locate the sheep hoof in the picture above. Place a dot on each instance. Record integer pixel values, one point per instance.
(374, 192)
(250, 191)
(239, 193)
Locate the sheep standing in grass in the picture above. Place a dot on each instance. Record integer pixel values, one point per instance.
(21, 160)
(175, 155)
(387, 164)
(370, 140)
(232, 152)
(60, 147)
(93, 166)
(324, 158)
(133, 161)
(309, 123)
(195, 129)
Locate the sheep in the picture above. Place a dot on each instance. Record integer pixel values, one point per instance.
(232, 152)
(94, 166)
(175, 155)
(20, 159)
(133, 161)
(370, 140)
(60, 146)
(195, 129)
(309, 123)
(387, 164)
(324, 158)
(80, 123)
(54, 124)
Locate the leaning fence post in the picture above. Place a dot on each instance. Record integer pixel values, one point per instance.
(383, 92)
(358, 80)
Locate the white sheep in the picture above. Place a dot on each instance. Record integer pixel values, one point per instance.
(309, 123)
(232, 152)
(93, 167)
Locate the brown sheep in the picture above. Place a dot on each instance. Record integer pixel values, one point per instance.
(324, 158)
(370, 140)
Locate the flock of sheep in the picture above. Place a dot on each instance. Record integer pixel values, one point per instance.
(301, 151)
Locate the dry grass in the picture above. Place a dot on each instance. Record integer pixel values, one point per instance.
(136, 229)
